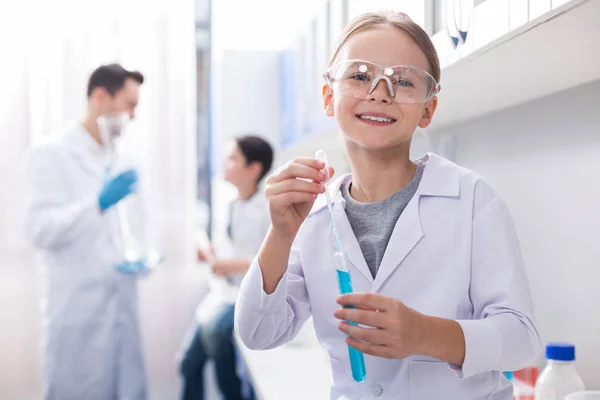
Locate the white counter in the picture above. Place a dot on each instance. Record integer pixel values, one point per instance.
(297, 371)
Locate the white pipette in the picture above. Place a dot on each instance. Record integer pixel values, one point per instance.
(357, 361)
(322, 156)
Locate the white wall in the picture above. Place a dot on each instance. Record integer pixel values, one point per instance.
(246, 97)
(259, 24)
(544, 160)
(245, 101)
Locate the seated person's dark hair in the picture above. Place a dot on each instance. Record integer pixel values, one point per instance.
(256, 149)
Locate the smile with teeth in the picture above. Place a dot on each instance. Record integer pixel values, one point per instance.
(376, 119)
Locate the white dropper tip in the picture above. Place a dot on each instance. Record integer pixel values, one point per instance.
(322, 156)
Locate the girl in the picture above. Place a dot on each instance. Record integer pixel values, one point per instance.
(441, 297)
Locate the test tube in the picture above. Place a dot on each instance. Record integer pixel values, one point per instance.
(357, 360)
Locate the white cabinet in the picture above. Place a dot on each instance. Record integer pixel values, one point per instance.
(559, 3)
(491, 21)
(445, 49)
(538, 7)
(545, 56)
(464, 20)
(518, 13)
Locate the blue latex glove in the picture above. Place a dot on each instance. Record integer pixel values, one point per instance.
(133, 268)
(140, 267)
(117, 188)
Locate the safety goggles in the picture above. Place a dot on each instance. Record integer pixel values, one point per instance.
(358, 79)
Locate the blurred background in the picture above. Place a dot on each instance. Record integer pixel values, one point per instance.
(519, 104)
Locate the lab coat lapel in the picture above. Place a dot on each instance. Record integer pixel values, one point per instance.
(440, 179)
(407, 233)
(348, 239)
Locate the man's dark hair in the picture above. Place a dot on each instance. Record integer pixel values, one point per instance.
(112, 77)
(256, 149)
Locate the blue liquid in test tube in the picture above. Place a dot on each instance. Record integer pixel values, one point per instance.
(357, 361)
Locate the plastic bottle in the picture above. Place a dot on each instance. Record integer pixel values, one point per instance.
(559, 378)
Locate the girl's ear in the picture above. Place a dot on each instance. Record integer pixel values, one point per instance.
(327, 100)
(428, 112)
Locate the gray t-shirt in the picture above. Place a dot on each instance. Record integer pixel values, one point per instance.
(373, 223)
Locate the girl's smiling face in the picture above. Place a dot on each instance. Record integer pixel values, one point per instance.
(387, 46)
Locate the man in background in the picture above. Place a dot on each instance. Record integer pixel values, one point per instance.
(92, 345)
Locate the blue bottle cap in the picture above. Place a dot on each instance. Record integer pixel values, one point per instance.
(560, 352)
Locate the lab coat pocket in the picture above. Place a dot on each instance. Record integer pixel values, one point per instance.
(338, 371)
(432, 380)
(342, 379)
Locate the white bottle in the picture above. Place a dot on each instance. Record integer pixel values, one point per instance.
(559, 378)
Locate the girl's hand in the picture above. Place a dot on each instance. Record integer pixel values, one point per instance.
(291, 192)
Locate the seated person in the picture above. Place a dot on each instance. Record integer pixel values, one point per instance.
(247, 161)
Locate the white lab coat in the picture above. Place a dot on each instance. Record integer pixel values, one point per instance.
(250, 222)
(92, 346)
(453, 254)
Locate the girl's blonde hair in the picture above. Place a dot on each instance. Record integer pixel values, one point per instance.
(397, 20)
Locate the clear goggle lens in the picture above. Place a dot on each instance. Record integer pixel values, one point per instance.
(359, 79)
